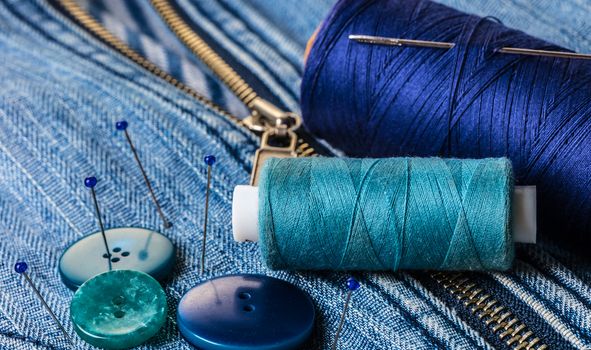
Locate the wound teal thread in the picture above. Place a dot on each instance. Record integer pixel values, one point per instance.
(386, 214)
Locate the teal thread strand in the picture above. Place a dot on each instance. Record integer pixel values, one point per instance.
(386, 214)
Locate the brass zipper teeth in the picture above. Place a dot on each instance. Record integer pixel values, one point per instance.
(94, 27)
(216, 63)
(205, 53)
(304, 149)
(200, 48)
(501, 321)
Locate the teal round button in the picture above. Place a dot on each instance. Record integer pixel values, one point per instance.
(131, 248)
(118, 309)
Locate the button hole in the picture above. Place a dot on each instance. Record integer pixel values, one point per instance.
(117, 250)
(125, 254)
(115, 260)
(248, 308)
(118, 300)
(119, 313)
(244, 295)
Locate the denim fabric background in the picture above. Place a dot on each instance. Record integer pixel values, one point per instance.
(61, 92)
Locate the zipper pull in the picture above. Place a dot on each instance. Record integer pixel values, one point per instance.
(285, 148)
(278, 139)
(266, 115)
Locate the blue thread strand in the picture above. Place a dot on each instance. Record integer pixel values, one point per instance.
(467, 102)
(386, 214)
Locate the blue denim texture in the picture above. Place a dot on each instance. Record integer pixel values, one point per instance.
(61, 92)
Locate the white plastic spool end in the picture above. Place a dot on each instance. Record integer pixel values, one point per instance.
(245, 213)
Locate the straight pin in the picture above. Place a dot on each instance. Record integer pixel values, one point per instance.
(90, 182)
(122, 126)
(209, 160)
(21, 268)
(352, 285)
(380, 40)
(546, 53)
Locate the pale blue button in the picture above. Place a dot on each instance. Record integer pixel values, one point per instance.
(131, 248)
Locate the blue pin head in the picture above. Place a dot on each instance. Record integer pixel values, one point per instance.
(352, 284)
(121, 125)
(209, 160)
(90, 182)
(20, 267)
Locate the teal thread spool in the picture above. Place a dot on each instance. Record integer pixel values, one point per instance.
(385, 214)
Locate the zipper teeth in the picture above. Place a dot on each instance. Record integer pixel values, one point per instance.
(93, 26)
(216, 63)
(213, 60)
(202, 50)
(500, 321)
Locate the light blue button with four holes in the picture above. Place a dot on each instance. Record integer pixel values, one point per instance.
(131, 248)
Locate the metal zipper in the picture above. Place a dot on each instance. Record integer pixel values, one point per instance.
(499, 320)
(265, 114)
(97, 29)
(276, 127)
(266, 118)
(271, 122)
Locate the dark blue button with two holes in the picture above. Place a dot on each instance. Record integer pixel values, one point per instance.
(131, 248)
(246, 312)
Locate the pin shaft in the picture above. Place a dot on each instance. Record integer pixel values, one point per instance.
(547, 53)
(61, 327)
(203, 245)
(166, 223)
(380, 40)
(342, 321)
(100, 220)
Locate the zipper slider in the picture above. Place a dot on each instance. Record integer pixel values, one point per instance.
(278, 139)
(266, 115)
(285, 148)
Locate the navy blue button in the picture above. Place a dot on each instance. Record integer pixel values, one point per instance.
(131, 249)
(246, 312)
